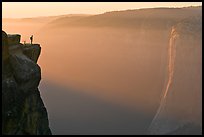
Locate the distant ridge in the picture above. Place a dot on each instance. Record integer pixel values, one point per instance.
(158, 17)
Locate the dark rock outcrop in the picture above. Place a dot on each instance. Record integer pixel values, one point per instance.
(32, 52)
(23, 111)
(14, 39)
(5, 54)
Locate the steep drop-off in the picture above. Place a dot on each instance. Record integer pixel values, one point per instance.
(180, 111)
(23, 111)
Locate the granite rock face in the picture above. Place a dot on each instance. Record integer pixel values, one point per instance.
(23, 111)
(180, 111)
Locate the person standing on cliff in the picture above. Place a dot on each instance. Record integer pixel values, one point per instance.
(31, 39)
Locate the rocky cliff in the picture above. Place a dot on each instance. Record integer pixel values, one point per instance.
(23, 111)
(180, 110)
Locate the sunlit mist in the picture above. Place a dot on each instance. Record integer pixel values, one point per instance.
(107, 66)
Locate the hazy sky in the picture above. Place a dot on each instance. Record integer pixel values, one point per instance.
(33, 9)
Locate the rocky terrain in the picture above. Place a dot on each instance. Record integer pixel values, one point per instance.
(23, 111)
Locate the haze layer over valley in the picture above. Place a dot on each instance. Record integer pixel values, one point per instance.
(106, 73)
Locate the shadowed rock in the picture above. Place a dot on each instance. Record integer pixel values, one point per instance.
(32, 51)
(5, 53)
(14, 39)
(23, 111)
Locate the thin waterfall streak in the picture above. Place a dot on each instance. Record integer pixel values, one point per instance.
(172, 56)
(171, 63)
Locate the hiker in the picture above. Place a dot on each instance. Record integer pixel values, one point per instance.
(31, 39)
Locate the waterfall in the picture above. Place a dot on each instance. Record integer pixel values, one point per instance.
(172, 56)
(170, 71)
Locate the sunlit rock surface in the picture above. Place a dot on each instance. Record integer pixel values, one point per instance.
(23, 111)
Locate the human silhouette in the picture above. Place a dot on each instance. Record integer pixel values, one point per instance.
(31, 39)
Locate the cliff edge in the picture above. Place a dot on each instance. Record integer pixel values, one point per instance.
(23, 111)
